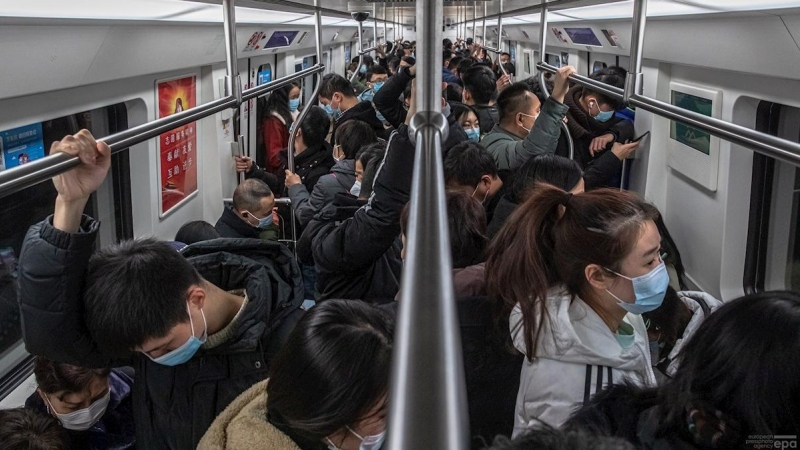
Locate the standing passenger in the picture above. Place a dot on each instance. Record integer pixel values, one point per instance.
(339, 99)
(282, 106)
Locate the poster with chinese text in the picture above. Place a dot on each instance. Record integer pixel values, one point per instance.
(177, 149)
(21, 145)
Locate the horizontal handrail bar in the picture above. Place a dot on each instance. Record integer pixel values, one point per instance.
(369, 50)
(772, 146)
(264, 89)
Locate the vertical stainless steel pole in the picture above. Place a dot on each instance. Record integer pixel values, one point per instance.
(500, 32)
(474, 17)
(375, 25)
(360, 56)
(385, 34)
(483, 38)
(633, 82)
(233, 83)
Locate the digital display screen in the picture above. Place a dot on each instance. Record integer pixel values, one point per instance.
(264, 76)
(685, 134)
(281, 39)
(583, 36)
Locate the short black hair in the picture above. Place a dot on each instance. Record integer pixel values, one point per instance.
(135, 291)
(466, 163)
(315, 126)
(409, 60)
(371, 158)
(333, 82)
(459, 109)
(469, 41)
(352, 135)
(505, 54)
(465, 64)
(332, 372)
(558, 171)
(248, 195)
(26, 429)
(611, 78)
(513, 100)
(453, 92)
(394, 64)
(446, 54)
(454, 61)
(480, 81)
(376, 70)
(447, 43)
(196, 231)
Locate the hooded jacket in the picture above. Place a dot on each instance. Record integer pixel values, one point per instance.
(244, 425)
(313, 164)
(488, 117)
(172, 406)
(339, 181)
(577, 356)
(510, 152)
(364, 112)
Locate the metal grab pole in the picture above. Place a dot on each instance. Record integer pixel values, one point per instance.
(360, 56)
(427, 406)
(542, 84)
(375, 24)
(483, 38)
(474, 17)
(633, 81)
(233, 83)
(369, 50)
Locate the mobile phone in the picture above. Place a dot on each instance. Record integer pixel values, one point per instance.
(641, 137)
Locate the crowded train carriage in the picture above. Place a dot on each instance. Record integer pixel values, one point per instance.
(295, 224)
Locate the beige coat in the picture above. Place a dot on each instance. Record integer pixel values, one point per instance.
(244, 426)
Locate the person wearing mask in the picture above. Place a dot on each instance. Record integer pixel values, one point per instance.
(447, 74)
(25, 429)
(251, 214)
(199, 328)
(573, 273)
(349, 139)
(470, 168)
(376, 78)
(340, 102)
(282, 109)
(480, 86)
(311, 400)
(468, 119)
(359, 83)
(94, 406)
(504, 60)
(737, 383)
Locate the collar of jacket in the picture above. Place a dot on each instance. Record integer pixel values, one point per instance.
(237, 224)
(580, 123)
(312, 157)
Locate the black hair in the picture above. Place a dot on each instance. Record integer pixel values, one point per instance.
(668, 321)
(480, 81)
(459, 109)
(196, 231)
(446, 44)
(407, 93)
(464, 65)
(333, 82)
(513, 100)
(370, 156)
(409, 60)
(446, 55)
(52, 377)
(611, 79)
(332, 372)
(454, 61)
(546, 438)
(315, 126)
(469, 41)
(376, 70)
(610, 70)
(394, 64)
(505, 54)
(248, 195)
(278, 102)
(135, 291)
(453, 92)
(742, 361)
(466, 163)
(26, 429)
(551, 169)
(352, 135)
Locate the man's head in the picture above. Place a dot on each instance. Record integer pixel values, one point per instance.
(447, 44)
(314, 129)
(505, 58)
(597, 105)
(335, 90)
(140, 295)
(470, 167)
(453, 66)
(376, 77)
(253, 202)
(447, 55)
(350, 137)
(518, 108)
(480, 85)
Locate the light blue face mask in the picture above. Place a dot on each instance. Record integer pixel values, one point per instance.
(363, 69)
(377, 86)
(603, 116)
(328, 109)
(649, 289)
(294, 104)
(366, 96)
(263, 222)
(185, 352)
(474, 134)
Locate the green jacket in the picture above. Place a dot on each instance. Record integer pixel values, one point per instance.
(510, 152)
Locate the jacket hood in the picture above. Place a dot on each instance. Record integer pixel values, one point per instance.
(573, 332)
(234, 223)
(243, 425)
(344, 206)
(314, 156)
(345, 166)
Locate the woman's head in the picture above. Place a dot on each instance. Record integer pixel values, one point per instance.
(561, 172)
(743, 362)
(350, 137)
(66, 389)
(330, 382)
(278, 101)
(588, 243)
(468, 119)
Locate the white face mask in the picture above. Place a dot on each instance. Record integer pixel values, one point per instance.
(356, 189)
(82, 419)
(534, 121)
(367, 442)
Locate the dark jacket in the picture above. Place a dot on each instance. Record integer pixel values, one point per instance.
(230, 225)
(584, 128)
(115, 430)
(488, 116)
(313, 163)
(364, 112)
(307, 203)
(359, 257)
(274, 182)
(173, 406)
(502, 212)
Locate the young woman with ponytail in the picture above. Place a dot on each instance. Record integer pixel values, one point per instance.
(573, 274)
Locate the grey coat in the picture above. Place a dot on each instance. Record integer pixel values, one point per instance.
(339, 181)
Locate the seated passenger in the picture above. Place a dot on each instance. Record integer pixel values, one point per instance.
(251, 215)
(527, 128)
(25, 429)
(737, 382)
(311, 400)
(339, 99)
(574, 273)
(349, 139)
(198, 331)
(469, 167)
(93, 405)
(551, 169)
(480, 88)
(196, 231)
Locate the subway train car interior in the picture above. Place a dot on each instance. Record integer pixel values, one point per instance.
(421, 224)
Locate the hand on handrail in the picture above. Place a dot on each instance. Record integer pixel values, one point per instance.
(562, 83)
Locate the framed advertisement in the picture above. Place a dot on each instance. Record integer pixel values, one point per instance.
(21, 146)
(176, 149)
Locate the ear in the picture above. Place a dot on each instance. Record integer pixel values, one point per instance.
(466, 94)
(197, 296)
(598, 277)
(486, 180)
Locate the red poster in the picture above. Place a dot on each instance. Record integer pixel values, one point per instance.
(177, 149)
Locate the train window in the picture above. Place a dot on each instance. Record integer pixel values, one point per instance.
(111, 204)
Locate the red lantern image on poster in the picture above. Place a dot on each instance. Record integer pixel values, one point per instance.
(177, 149)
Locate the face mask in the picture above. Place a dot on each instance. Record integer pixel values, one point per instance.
(650, 290)
(363, 69)
(366, 96)
(328, 109)
(367, 442)
(185, 352)
(82, 419)
(446, 109)
(484, 195)
(474, 134)
(263, 222)
(336, 112)
(534, 121)
(377, 86)
(356, 189)
(603, 116)
(294, 104)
